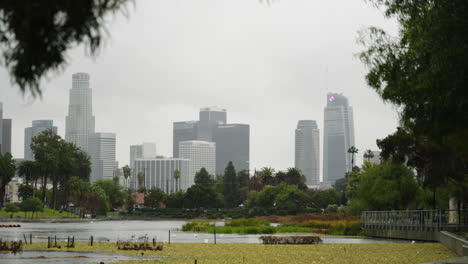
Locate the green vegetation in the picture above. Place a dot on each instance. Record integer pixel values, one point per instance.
(262, 226)
(179, 253)
(422, 72)
(7, 171)
(45, 213)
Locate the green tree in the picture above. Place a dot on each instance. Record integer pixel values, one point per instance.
(141, 179)
(202, 177)
(291, 200)
(177, 179)
(322, 198)
(353, 151)
(368, 155)
(126, 172)
(25, 191)
(423, 72)
(175, 200)
(201, 196)
(79, 191)
(7, 172)
(130, 201)
(97, 201)
(32, 205)
(154, 198)
(266, 176)
(11, 208)
(113, 191)
(295, 177)
(36, 36)
(230, 187)
(387, 186)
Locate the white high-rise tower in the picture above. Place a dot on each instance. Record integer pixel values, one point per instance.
(307, 151)
(80, 120)
(338, 137)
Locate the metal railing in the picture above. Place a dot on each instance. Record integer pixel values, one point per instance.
(422, 220)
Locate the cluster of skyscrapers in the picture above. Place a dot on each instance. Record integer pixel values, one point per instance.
(338, 137)
(210, 143)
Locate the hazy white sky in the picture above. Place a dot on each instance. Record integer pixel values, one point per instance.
(269, 66)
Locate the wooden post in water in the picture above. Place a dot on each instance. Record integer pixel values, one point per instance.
(214, 233)
(30, 238)
(169, 236)
(55, 239)
(25, 240)
(92, 238)
(48, 242)
(68, 242)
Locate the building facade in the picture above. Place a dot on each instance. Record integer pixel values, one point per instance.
(6, 135)
(168, 174)
(102, 152)
(232, 140)
(338, 137)
(202, 154)
(183, 131)
(210, 118)
(37, 127)
(307, 151)
(80, 122)
(232, 144)
(146, 150)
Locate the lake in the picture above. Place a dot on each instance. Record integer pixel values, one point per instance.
(111, 231)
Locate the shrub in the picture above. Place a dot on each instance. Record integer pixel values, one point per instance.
(248, 222)
(11, 208)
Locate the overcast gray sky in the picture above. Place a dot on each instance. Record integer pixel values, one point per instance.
(269, 66)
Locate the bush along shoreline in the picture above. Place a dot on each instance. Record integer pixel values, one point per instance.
(261, 226)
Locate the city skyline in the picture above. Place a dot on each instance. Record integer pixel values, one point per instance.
(232, 69)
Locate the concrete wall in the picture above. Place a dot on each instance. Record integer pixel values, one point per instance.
(454, 243)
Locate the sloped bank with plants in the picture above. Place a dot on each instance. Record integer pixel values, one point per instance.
(262, 226)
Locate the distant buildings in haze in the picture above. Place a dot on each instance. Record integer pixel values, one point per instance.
(37, 127)
(338, 137)
(232, 140)
(307, 151)
(102, 152)
(202, 154)
(146, 150)
(80, 122)
(168, 174)
(5, 132)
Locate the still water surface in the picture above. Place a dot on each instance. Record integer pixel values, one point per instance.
(124, 230)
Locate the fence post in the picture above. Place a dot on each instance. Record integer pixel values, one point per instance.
(214, 233)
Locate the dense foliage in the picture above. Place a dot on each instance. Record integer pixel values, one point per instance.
(423, 71)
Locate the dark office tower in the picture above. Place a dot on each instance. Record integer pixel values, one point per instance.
(338, 137)
(307, 151)
(38, 126)
(232, 144)
(183, 131)
(210, 117)
(6, 135)
(1, 130)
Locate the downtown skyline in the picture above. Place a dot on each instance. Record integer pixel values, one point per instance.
(271, 95)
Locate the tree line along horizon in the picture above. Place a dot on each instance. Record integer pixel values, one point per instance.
(385, 186)
(422, 72)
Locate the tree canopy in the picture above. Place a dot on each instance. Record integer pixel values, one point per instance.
(36, 35)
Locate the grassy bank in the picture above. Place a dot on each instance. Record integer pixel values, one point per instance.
(276, 254)
(262, 226)
(47, 213)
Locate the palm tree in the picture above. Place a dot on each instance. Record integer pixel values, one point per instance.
(7, 172)
(126, 172)
(177, 177)
(26, 170)
(353, 150)
(368, 155)
(141, 179)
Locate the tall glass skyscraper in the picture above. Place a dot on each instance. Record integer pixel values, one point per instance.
(102, 152)
(338, 137)
(307, 151)
(79, 123)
